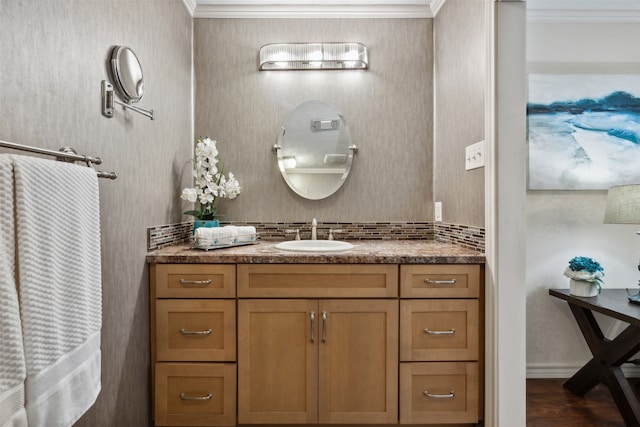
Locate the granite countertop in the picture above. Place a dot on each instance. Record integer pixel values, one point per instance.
(364, 252)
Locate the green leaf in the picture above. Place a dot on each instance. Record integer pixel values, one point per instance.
(193, 213)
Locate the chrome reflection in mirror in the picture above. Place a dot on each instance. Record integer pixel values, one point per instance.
(127, 74)
(314, 150)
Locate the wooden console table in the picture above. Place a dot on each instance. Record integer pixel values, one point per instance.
(608, 355)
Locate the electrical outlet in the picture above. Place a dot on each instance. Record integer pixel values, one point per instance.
(474, 156)
(438, 211)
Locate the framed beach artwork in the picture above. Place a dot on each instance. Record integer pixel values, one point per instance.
(583, 131)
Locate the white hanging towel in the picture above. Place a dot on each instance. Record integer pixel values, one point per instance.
(12, 364)
(59, 286)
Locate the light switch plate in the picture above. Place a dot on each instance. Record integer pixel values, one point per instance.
(438, 211)
(474, 156)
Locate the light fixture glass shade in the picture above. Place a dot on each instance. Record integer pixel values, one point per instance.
(623, 205)
(313, 56)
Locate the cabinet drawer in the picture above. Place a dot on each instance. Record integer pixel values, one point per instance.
(195, 394)
(194, 280)
(432, 330)
(313, 280)
(439, 392)
(196, 330)
(440, 281)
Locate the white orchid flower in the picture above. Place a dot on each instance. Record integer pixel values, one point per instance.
(210, 183)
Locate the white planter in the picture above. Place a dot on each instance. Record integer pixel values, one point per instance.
(580, 288)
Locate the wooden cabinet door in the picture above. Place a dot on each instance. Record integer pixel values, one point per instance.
(358, 363)
(277, 361)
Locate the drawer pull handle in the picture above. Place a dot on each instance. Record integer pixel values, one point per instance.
(449, 332)
(324, 326)
(440, 396)
(312, 315)
(185, 397)
(440, 282)
(186, 282)
(183, 331)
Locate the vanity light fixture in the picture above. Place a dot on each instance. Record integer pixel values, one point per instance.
(313, 56)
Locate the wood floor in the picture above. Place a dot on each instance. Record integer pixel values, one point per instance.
(550, 405)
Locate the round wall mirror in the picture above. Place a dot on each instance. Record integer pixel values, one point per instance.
(127, 73)
(314, 150)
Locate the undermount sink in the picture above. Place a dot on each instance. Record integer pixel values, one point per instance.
(314, 246)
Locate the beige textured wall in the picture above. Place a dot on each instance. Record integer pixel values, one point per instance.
(54, 55)
(460, 75)
(388, 108)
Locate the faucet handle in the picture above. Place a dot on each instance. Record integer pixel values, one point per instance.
(297, 231)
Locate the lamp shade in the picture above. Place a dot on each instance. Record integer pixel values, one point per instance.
(623, 205)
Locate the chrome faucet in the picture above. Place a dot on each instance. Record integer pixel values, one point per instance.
(314, 233)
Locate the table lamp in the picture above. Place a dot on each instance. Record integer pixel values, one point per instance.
(623, 207)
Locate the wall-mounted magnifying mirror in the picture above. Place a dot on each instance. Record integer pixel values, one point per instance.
(128, 80)
(314, 150)
(127, 74)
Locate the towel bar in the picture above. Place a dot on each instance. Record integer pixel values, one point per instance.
(65, 154)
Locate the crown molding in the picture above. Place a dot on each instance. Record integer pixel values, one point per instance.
(583, 11)
(191, 6)
(417, 10)
(435, 6)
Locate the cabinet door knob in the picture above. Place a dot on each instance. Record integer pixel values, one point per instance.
(183, 396)
(449, 332)
(183, 331)
(450, 395)
(186, 282)
(440, 282)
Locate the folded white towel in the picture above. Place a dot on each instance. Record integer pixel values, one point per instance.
(246, 230)
(12, 363)
(216, 235)
(224, 235)
(60, 287)
(246, 233)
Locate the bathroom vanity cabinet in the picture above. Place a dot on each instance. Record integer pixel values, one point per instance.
(315, 343)
(324, 360)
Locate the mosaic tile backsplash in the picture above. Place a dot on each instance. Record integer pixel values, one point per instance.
(463, 235)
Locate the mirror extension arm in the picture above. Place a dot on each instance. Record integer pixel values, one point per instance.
(108, 100)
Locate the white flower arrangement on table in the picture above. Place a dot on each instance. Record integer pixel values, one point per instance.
(585, 269)
(210, 181)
